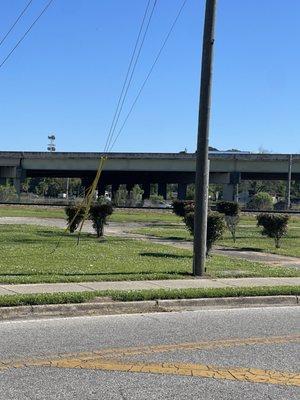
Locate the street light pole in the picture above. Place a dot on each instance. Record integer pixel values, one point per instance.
(289, 181)
(202, 163)
(67, 189)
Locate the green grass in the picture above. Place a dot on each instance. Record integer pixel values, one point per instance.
(48, 298)
(246, 219)
(31, 211)
(252, 239)
(73, 297)
(195, 293)
(119, 215)
(149, 216)
(248, 237)
(167, 225)
(29, 255)
(168, 232)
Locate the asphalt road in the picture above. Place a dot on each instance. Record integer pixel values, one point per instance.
(207, 354)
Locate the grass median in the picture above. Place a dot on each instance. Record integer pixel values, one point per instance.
(119, 215)
(29, 255)
(140, 295)
(248, 237)
(31, 211)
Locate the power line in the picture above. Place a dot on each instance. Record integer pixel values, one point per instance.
(89, 197)
(128, 70)
(128, 80)
(16, 21)
(149, 73)
(86, 203)
(132, 72)
(26, 33)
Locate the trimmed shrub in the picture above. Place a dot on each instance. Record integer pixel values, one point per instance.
(215, 227)
(189, 222)
(182, 207)
(229, 208)
(75, 215)
(274, 226)
(231, 211)
(261, 201)
(178, 208)
(98, 215)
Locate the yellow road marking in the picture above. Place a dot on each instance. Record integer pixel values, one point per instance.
(109, 360)
(251, 375)
(131, 351)
(205, 345)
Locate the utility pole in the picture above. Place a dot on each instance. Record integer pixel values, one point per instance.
(67, 189)
(288, 188)
(202, 163)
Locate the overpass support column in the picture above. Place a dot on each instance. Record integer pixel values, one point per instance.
(146, 189)
(230, 190)
(101, 188)
(19, 177)
(162, 190)
(181, 192)
(17, 185)
(86, 183)
(114, 189)
(129, 187)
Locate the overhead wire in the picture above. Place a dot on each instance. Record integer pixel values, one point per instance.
(127, 82)
(133, 70)
(15, 22)
(109, 148)
(128, 71)
(149, 74)
(111, 140)
(26, 33)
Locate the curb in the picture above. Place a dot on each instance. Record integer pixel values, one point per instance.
(137, 307)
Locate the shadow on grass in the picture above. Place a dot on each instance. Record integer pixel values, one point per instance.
(237, 249)
(62, 233)
(168, 238)
(179, 239)
(37, 234)
(84, 236)
(23, 241)
(170, 225)
(164, 255)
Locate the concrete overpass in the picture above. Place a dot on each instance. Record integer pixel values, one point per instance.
(146, 168)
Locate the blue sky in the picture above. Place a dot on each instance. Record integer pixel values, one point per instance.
(66, 76)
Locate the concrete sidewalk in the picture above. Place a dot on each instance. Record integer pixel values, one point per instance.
(6, 289)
